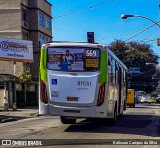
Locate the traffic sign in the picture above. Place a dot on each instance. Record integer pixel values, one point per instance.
(135, 70)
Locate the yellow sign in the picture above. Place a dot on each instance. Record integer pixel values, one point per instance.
(91, 62)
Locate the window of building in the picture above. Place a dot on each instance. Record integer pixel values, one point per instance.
(41, 19)
(25, 36)
(48, 23)
(41, 39)
(48, 40)
(24, 15)
(24, 18)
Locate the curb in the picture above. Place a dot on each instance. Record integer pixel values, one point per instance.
(9, 120)
(32, 115)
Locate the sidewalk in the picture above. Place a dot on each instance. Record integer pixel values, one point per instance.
(20, 113)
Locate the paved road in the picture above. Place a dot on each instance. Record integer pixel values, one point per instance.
(141, 122)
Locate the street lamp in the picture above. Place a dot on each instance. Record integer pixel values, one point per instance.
(126, 16)
(151, 64)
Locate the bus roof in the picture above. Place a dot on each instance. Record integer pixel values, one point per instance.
(81, 44)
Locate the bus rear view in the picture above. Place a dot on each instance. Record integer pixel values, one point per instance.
(73, 81)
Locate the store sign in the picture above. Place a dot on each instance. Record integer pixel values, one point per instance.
(16, 50)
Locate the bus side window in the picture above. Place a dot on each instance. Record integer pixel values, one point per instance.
(117, 69)
(122, 76)
(110, 70)
(114, 71)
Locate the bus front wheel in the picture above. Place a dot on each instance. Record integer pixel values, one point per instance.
(64, 120)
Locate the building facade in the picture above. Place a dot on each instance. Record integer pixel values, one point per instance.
(26, 20)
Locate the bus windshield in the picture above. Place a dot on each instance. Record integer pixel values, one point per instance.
(73, 59)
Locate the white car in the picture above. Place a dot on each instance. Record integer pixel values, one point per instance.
(145, 99)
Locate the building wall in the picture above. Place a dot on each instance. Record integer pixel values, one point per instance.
(9, 4)
(7, 67)
(10, 20)
(42, 4)
(24, 2)
(1, 97)
(13, 26)
(39, 30)
(10, 16)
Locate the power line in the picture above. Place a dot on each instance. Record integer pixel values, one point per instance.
(150, 40)
(141, 32)
(125, 34)
(82, 10)
(150, 35)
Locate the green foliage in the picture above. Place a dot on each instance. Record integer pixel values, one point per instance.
(135, 54)
(154, 94)
(157, 74)
(25, 77)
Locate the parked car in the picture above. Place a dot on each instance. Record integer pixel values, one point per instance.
(145, 99)
(153, 100)
(158, 100)
(139, 99)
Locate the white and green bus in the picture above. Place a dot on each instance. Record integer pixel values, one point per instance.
(81, 80)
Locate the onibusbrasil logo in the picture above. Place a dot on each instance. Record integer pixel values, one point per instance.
(4, 46)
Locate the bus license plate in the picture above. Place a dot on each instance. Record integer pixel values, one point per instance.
(72, 98)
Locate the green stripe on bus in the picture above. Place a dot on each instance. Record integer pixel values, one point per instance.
(103, 68)
(43, 63)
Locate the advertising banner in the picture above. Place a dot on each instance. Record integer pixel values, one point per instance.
(61, 59)
(16, 50)
(73, 59)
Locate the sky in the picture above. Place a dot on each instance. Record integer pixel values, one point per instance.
(103, 18)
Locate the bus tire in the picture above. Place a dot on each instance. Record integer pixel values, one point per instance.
(121, 114)
(114, 119)
(125, 105)
(67, 121)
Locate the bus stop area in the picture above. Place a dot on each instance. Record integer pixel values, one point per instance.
(20, 113)
(14, 94)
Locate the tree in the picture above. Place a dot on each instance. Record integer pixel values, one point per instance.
(135, 54)
(157, 74)
(25, 77)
